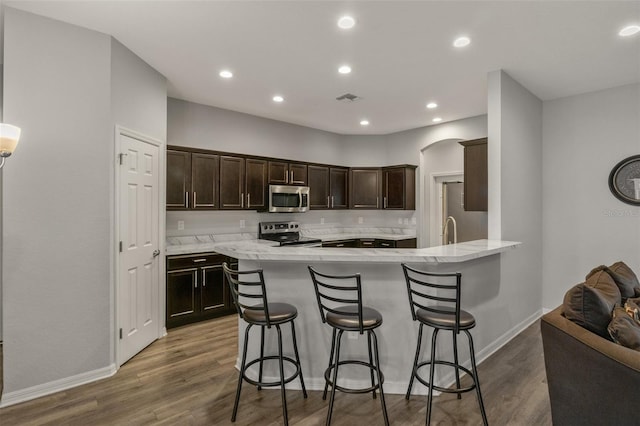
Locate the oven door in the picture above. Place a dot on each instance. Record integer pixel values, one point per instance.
(288, 199)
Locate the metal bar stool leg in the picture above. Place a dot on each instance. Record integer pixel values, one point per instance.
(295, 350)
(372, 334)
(282, 390)
(455, 359)
(373, 392)
(261, 355)
(335, 377)
(241, 375)
(415, 363)
(333, 348)
(431, 374)
(476, 380)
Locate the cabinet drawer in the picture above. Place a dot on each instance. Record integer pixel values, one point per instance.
(385, 244)
(187, 261)
(366, 243)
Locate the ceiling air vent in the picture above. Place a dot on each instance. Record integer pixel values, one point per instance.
(348, 97)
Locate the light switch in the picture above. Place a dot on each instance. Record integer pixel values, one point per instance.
(180, 225)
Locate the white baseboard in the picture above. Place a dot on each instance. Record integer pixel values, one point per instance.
(23, 395)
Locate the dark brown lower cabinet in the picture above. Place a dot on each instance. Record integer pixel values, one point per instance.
(197, 288)
(341, 243)
(372, 243)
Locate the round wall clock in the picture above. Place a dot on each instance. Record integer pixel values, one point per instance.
(624, 180)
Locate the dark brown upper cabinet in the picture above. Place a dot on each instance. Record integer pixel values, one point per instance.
(285, 173)
(365, 188)
(178, 179)
(475, 175)
(243, 183)
(192, 180)
(339, 187)
(204, 181)
(328, 187)
(399, 187)
(319, 195)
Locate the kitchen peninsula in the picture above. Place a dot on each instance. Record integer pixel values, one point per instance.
(287, 280)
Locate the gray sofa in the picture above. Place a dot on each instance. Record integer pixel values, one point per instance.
(591, 380)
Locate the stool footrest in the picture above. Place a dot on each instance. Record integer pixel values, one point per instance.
(439, 388)
(327, 377)
(277, 382)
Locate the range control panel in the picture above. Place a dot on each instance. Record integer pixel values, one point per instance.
(278, 227)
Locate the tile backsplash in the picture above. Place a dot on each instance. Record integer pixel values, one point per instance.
(234, 221)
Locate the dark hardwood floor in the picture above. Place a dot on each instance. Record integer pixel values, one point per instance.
(188, 378)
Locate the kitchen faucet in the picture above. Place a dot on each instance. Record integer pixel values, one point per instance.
(445, 231)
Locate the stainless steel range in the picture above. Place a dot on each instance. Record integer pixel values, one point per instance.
(286, 233)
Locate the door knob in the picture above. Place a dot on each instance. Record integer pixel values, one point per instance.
(156, 253)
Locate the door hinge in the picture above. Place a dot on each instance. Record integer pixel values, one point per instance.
(121, 157)
(120, 246)
(120, 334)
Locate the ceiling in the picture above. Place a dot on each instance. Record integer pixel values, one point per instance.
(400, 52)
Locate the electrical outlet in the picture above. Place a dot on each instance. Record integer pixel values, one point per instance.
(353, 335)
(242, 223)
(180, 225)
(322, 221)
(360, 220)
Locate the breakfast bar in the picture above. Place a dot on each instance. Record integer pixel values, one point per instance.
(383, 288)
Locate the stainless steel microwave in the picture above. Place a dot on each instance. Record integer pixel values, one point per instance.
(288, 198)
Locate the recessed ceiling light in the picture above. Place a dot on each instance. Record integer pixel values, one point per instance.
(437, 120)
(346, 22)
(344, 69)
(629, 30)
(432, 105)
(226, 74)
(364, 122)
(461, 41)
(278, 98)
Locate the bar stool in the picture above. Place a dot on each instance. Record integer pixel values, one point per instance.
(248, 285)
(350, 315)
(444, 290)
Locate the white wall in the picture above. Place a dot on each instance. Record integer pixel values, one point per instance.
(584, 225)
(515, 139)
(56, 201)
(66, 87)
(207, 127)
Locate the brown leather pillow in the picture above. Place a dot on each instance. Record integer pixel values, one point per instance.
(624, 330)
(591, 303)
(624, 277)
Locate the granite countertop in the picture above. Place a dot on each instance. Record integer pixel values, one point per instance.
(461, 252)
(206, 243)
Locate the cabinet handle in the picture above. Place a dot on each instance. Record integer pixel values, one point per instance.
(339, 245)
(248, 200)
(186, 199)
(199, 260)
(204, 279)
(291, 176)
(242, 200)
(328, 202)
(385, 202)
(195, 283)
(286, 176)
(377, 202)
(332, 202)
(385, 244)
(194, 199)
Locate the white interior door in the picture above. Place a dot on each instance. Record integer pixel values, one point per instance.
(139, 263)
